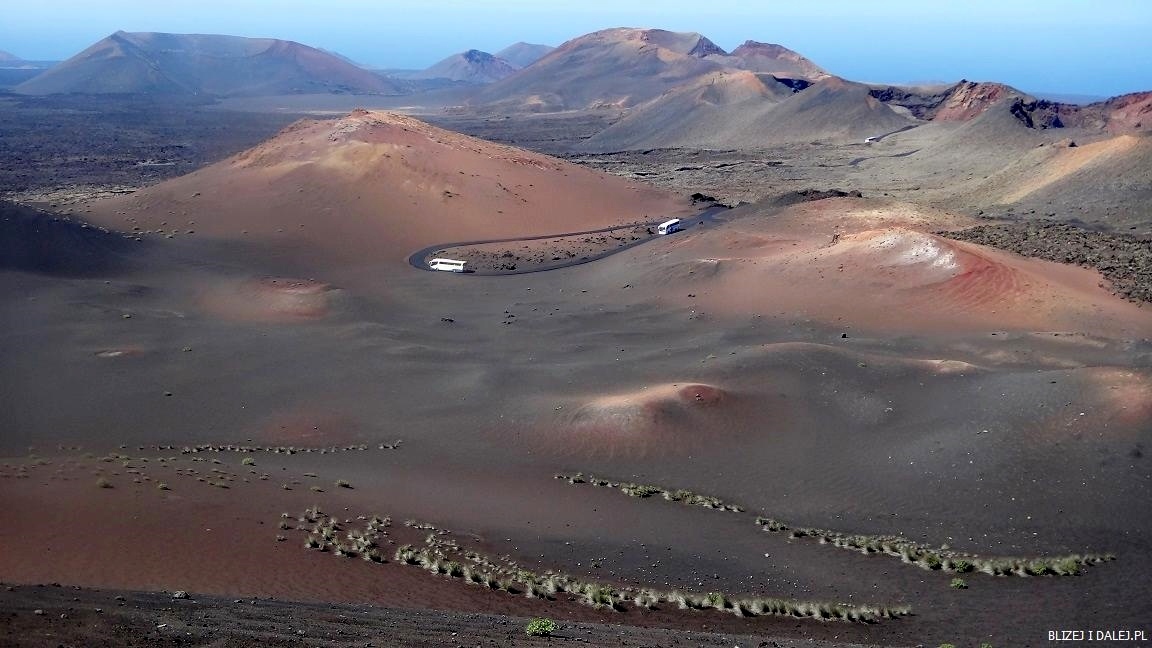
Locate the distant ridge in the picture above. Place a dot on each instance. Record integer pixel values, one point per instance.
(739, 109)
(618, 67)
(777, 60)
(524, 54)
(472, 66)
(200, 64)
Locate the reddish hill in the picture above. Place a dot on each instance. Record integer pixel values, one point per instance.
(373, 187)
(967, 99)
(1118, 115)
(197, 64)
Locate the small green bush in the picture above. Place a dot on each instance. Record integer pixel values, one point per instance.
(958, 583)
(947, 645)
(540, 627)
(248, 461)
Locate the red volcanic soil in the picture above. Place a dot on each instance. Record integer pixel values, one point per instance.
(874, 265)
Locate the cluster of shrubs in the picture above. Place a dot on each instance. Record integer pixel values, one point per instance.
(247, 449)
(327, 534)
(647, 490)
(941, 558)
(444, 556)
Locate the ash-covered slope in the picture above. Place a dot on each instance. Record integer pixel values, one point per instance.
(199, 64)
(707, 114)
(742, 110)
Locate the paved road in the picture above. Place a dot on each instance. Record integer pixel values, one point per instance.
(418, 259)
(857, 161)
(898, 130)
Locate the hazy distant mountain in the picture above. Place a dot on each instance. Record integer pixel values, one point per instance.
(614, 67)
(524, 54)
(6, 57)
(197, 64)
(472, 66)
(777, 60)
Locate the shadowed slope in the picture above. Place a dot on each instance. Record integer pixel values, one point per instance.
(34, 241)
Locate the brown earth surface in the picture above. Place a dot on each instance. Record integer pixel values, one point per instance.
(832, 363)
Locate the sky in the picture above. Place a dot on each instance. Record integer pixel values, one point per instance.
(1087, 47)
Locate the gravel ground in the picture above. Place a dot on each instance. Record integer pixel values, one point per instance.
(39, 615)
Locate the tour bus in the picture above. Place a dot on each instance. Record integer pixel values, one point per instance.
(667, 227)
(447, 265)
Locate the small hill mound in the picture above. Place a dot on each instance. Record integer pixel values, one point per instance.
(524, 54)
(968, 99)
(867, 264)
(197, 64)
(373, 187)
(472, 66)
(615, 67)
(832, 110)
(702, 114)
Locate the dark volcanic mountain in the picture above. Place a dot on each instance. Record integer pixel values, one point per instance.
(472, 66)
(197, 64)
(524, 54)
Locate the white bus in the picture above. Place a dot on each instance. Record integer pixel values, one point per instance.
(667, 227)
(447, 265)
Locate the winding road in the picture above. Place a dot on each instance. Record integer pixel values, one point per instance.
(418, 258)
